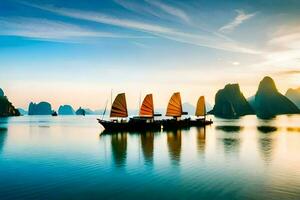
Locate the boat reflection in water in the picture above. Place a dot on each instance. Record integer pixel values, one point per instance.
(174, 145)
(119, 148)
(201, 137)
(147, 143)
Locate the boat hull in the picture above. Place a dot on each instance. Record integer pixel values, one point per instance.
(142, 125)
(131, 125)
(175, 124)
(200, 123)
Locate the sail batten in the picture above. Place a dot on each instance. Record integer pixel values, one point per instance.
(200, 109)
(147, 108)
(119, 106)
(174, 108)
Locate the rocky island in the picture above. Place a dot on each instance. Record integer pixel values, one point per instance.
(294, 96)
(6, 107)
(66, 110)
(231, 103)
(269, 101)
(42, 108)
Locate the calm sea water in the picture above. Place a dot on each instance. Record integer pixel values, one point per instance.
(67, 158)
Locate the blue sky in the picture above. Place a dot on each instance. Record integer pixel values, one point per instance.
(75, 52)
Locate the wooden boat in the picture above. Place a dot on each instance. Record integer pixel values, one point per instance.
(119, 122)
(174, 110)
(200, 113)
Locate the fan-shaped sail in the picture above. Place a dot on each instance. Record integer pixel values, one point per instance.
(147, 109)
(200, 110)
(174, 108)
(119, 107)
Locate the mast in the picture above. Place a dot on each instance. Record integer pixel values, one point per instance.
(140, 100)
(105, 109)
(111, 97)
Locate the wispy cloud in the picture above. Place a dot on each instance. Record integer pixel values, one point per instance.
(138, 8)
(142, 45)
(282, 52)
(44, 29)
(238, 20)
(104, 19)
(157, 9)
(290, 72)
(208, 40)
(171, 10)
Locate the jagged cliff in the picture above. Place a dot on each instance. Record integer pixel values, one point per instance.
(294, 96)
(6, 107)
(231, 103)
(66, 110)
(269, 102)
(42, 108)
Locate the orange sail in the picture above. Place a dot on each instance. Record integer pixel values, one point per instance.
(200, 110)
(174, 108)
(119, 106)
(147, 108)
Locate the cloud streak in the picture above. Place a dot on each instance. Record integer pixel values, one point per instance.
(44, 29)
(176, 12)
(208, 40)
(238, 20)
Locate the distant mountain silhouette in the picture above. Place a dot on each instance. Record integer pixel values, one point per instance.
(6, 107)
(231, 103)
(269, 102)
(80, 111)
(251, 101)
(66, 110)
(187, 107)
(89, 111)
(100, 112)
(1, 93)
(42, 108)
(294, 96)
(22, 111)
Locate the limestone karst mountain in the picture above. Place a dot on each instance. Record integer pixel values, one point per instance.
(294, 96)
(231, 103)
(66, 110)
(6, 107)
(22, 111)
(270, 102)
(42, 108)
(80, 111)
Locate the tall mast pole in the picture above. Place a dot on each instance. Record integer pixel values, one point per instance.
(139, 102)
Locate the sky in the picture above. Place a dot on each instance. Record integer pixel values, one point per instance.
(77, 52)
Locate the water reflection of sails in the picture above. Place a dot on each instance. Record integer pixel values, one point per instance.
(119, 148)
(174, 145)
(201, 137)
(147, 143)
